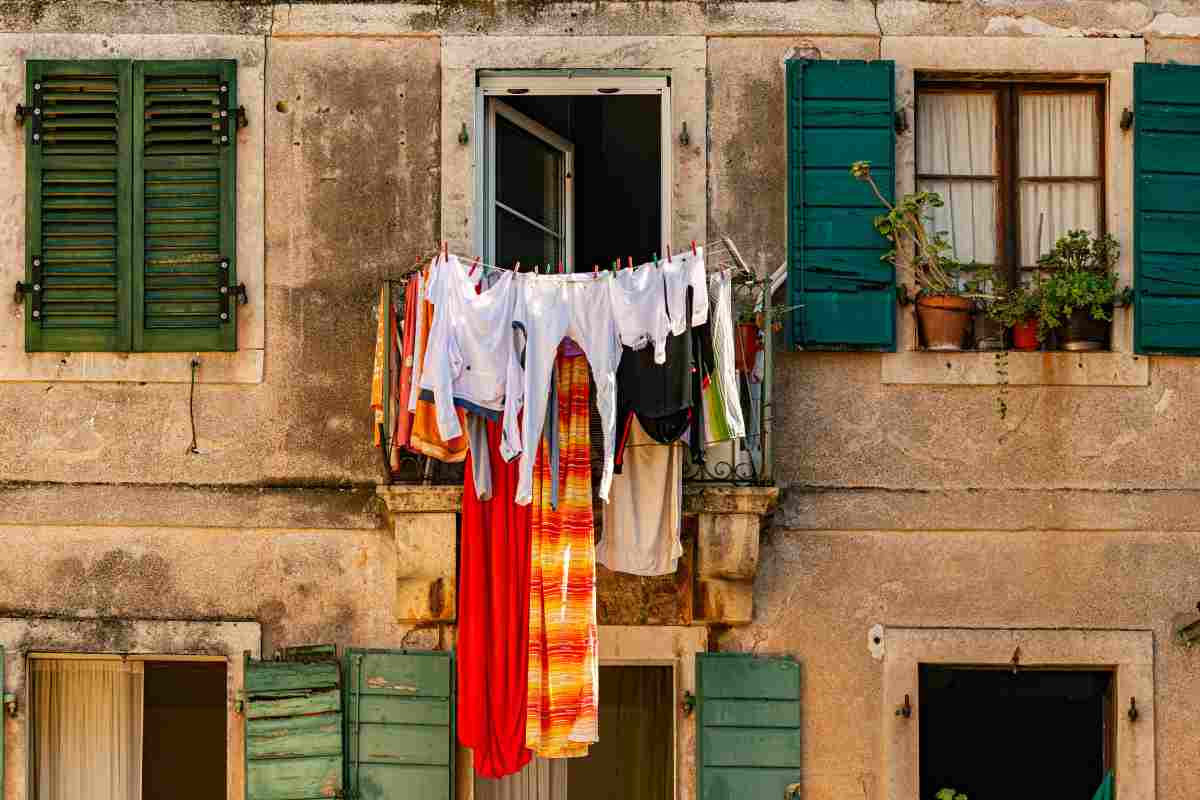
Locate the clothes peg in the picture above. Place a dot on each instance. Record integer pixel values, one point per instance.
(694, 253)
(560, 268)
(517, 268)
(595, 271)
(474, 264)
(445, 251)
(668, 252)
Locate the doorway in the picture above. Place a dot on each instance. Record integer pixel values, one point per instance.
(634, 759)
(994, 734)
(574, 169)
(132, 728)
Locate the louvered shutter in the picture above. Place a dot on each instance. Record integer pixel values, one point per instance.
(400, 724)
(1166, 201)
(839, 112)
(293, 719)
(184, 178)
(749, 726)
(77, 205)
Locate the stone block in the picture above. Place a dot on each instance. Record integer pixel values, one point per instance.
(728, 545)
(724, 602)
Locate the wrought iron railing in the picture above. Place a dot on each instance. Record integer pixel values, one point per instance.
(743, 461)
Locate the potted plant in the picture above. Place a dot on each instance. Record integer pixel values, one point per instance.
(1079, 294)
(944, 305)
(949, 794)
(745, 344)
(988, 331)
(1018, 309)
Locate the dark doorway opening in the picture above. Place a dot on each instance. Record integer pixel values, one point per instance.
(995, 734)
(617, 174)
(184, 731)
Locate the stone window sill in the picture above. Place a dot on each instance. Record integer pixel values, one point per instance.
(978, 368)
(243, 366)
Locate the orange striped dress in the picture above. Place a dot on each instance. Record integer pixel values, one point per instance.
(561, 719)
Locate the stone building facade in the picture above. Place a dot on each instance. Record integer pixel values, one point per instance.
(912, 525)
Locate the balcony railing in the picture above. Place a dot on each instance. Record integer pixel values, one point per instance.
(745, 461)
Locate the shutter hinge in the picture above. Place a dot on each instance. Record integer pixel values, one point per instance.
(243, 121)
(35, 109)
(228, 292)
(32, 289)
(10, 703)
(1126, 119)
(689, 703)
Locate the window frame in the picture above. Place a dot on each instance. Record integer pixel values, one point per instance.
(567, 82)
(1008, 91)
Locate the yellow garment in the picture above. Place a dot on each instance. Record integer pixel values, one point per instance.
(381, 344)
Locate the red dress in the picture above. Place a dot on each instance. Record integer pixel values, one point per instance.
(493, 620)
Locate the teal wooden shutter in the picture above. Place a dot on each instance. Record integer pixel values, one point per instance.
(749, 726)
(1166, 197)
(184, 179)
(400, 724)
(839, 112)
(77, 206)
(293, 718)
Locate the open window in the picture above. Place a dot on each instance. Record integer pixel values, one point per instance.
(1000, 733)
(573, 167)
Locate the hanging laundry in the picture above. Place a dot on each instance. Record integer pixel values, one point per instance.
(724, 387)
(666, 398)
(470, 342)
(639, 306)
(547, 309)
(426, 438)
(381, 345)
(493, 618)
(562, 714)
(403, 426)
(643, 519)
(680, 273)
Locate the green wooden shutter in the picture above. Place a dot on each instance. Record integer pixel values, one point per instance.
(77, 205)
(749, 726)
(839, 112)
(1166, 231)
(293, 717)
(184, 178)
(400, 724)
(3, 711)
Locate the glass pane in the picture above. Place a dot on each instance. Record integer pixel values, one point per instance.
(517, 240)
(1059, 207)
(1059, 135)
(956, 134)
(528, 175)
(968, 218)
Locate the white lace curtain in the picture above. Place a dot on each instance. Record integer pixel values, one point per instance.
(88, 729)
(1058, 136)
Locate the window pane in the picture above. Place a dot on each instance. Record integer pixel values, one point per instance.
(956, 134)
(517, 240)
(1060, 207)
(528, 174)
(1059, 135)
(968, 218)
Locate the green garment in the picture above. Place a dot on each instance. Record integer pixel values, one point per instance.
(1105, 792)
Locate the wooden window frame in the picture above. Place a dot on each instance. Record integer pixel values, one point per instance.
(1008, 95)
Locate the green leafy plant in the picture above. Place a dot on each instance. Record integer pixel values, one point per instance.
(949, 794)
(935, 269)
(1015, 305)
(1083, 277)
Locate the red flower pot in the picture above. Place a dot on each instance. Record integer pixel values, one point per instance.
(746, 346)
(1025, 335)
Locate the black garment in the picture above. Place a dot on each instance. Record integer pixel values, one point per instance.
(666, 397)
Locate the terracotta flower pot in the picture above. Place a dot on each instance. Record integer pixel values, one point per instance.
(1081, 332)
(1025, 335)
(746, 346)
(944, 320)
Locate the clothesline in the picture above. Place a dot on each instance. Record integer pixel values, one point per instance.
(721, 248)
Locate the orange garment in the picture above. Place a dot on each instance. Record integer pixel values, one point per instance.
(405, 342)
(561, 720)
(425, 437)
(381, 350)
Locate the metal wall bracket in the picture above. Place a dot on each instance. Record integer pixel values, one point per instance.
(905, 710)
(239, 705)
(689, 703)
(1132, 713)
(243, 121)
(1126, 119)
(19, 116)
(10, 703)
(36, 104)
(32, 289)
(229, 292)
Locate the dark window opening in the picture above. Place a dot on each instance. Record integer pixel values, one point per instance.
(994, 734)
(183, 744)
(617, 179)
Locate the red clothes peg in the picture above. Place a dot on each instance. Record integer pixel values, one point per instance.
(668, 252)
(474, 264)
(630, 261)
(517, 268)
(694, 253)
(445, 251)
